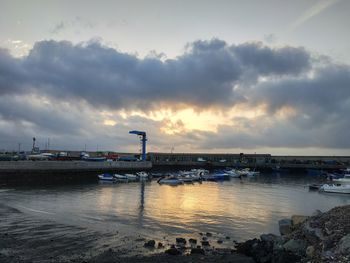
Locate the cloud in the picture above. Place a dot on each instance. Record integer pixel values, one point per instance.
(63, 91)
(205, 76)
(76, 23)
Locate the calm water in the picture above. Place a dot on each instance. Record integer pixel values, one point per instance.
(239, 208)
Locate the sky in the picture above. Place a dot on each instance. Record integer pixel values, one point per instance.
(198, 76)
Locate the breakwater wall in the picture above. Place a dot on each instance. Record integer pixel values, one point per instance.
(26, 172)
(259, 166)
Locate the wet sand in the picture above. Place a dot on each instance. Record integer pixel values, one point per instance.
(24, 238)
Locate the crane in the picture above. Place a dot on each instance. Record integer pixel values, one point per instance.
(143, 138)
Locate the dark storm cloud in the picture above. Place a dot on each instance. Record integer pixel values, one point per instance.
(321, 99)
(202, 77)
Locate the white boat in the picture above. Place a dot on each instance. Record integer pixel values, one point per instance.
(335, 188)
(233, 173)
(344, 180)
(200, 172)
(186, 179)
(106, 177)
(170, 181)
(120, 177)
(131, 176)
(142, 175)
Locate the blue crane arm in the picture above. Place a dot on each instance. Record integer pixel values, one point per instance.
(138, 133)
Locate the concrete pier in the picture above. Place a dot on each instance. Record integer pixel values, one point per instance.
(52, 171)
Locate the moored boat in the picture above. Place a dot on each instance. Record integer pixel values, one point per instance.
(314, 186)
(142, 175)
(344, 180)
(120, 177)
(106, 177)
(170, 180)
(335, 188)
(131, 176)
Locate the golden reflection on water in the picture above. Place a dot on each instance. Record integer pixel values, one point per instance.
(204, 203)
(230, 206)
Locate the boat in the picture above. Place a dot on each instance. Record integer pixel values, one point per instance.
(106, 177)
(335, 188)
(142, 175)
(344, 180)
(186, 179)
(131, 176)
(120, 177)
(170, 180)
(314, 186)
(218, 176)
(233, 173)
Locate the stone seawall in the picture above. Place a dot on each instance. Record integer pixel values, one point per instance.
(24, 172)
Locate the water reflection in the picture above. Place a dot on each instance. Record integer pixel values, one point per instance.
(241, 209)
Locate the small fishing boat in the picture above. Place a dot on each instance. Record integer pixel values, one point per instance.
(106, 177)
(142, 175)
(335, 188)
(218, 176)
(233, 173)
(314, 186)
(120, 177)
(344, 180)
(131, 177)
(170, 180)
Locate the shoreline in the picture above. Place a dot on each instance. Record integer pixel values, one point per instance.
(323, 237)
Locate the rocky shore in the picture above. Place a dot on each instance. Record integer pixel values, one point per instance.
(323, 237)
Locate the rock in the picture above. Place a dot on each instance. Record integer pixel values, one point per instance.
(208, 234)
(310, 251)
(181, 240)
(317, 213)
(160, 245)
(295, 246)
(312, 234)
(192, 241)
(150, 244)
(328, 255)
(328, 243)
(285, 226)
(172, 251)
(298, 219)
(205, 243)
(246, 247)
(197, 251)
(268, 237)
(344, 245)
(285, 257)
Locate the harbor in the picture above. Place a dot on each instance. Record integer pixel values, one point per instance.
(122, 217)
(50, 167)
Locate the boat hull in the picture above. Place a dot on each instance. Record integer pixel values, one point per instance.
(338, 189)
